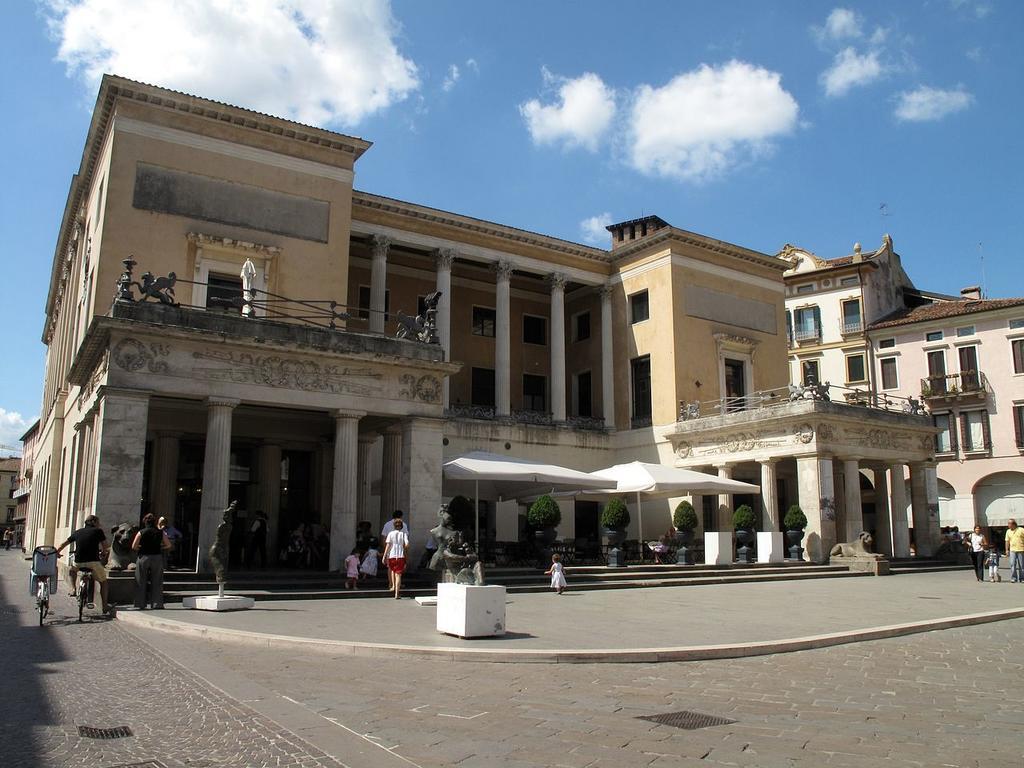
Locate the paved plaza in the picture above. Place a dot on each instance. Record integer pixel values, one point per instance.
(950, 697)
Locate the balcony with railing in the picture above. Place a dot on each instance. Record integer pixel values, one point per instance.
(807, 333)
(851, 327)
(966, 385)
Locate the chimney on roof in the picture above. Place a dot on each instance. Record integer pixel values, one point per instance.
(971, 292)
(627, 232)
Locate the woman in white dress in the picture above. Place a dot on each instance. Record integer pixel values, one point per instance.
(557, 574)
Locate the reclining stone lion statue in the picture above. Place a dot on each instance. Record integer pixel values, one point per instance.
(122, 556)
(860, 548)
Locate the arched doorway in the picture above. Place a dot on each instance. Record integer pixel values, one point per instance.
(998, 497)
(947, 515)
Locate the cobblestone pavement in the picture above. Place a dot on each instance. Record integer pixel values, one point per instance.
(63, 675)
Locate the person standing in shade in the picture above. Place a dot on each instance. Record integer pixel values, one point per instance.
(1015, 551)
(395, 548)
(151, 543)
(257, 541)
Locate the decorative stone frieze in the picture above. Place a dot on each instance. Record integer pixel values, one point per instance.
(425, 388)
(283, 372)
(132, 355)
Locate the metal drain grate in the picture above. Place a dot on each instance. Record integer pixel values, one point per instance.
(691, 721)
(144, 764)
(120, 732)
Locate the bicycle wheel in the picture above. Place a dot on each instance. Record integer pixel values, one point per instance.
(42, 601)
(82, 589)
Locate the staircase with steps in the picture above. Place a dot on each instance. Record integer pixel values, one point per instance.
(903, 565)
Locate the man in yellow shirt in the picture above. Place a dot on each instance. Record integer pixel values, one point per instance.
(1015, 551)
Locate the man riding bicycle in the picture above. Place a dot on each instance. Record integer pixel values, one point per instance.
(90, 548)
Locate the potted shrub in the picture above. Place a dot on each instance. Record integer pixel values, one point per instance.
(744, 522)
(794, 522)
(614, 519)
(543, 517)
(685, 521)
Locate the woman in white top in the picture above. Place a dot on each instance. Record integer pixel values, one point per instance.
(394, 554)
(978, 544)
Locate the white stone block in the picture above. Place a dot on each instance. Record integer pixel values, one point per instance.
(215, 603)
(469, 611)
(770, 547)
(718, 548)
(426, 600)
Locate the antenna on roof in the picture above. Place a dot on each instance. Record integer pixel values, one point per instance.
(981, 259)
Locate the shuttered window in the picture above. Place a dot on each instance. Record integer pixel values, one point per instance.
(945, 440)
(1017, 345)
(975, 434)
(1018, 424)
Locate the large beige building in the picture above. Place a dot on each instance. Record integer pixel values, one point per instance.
(274, 376)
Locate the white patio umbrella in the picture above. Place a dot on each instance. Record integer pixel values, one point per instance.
(657, 481)
(511, 477)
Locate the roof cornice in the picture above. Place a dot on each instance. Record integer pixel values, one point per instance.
(703, 242)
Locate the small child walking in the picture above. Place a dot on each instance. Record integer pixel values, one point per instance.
(352, 570)
(993, 565)
(557, 574)
(370, 561)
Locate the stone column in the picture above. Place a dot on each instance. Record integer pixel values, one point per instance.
(51, 493)
(502, 340)
(816, 491)
(900, 530)
(366, 443)
(445, 257)
(421, 479)
(854, 516)
(216, 474)
(268, 495)
(924, 502)
(120, 456)
(378, 281)
(883, 523)
(769, 495)
(344, 495)
(725, 509)
(607, 361)
(391, 474)
(163, 490)
(557, 282)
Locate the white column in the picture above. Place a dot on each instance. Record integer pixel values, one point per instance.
(366, 443)
(378, 281)
(51, 492)
(607, 361)
(816, 491)
(924, 502)
(557, 282)
(769, 495)
(445, 257)
(163, 490)
(268, 495)
(883, 523)
(851, 499)
(421, 479)
(725, 509)
(216, 474)
(343, 497)
(390, 473)
(900, 529)
(502, 340)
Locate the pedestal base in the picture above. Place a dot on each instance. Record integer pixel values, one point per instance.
(217, 603)
(469, 611)
(862, 564)
(717, 548)
(426, 600)
(769, 547)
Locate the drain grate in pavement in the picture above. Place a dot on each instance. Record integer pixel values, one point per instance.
(119, 732)
(144, 764)
(691, 721)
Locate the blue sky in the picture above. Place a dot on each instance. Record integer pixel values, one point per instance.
(819, 124)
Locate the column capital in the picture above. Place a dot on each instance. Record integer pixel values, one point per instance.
(368, 438)
(771, 460)
(503, 269)
(444, 257)
(557, 281)
(222, 402)
(850, 458)
(341, 413)
(606, 290)
(380, 245)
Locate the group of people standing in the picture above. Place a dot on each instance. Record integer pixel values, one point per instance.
(11, 538)
(986, 554)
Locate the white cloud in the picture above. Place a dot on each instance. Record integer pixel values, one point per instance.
(841, 24)
(580, 117)
(703, 122)
(926, 104)
(308, 60)
(850, 69)
(593, 228)
(451, 78)
(12, 427)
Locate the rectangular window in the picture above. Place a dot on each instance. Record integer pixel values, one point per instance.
(483, 321)
(789, 327)
(855, 368)
(886, 343)
(808, 324)
(584, 398)
(735, 385)
(933, 336)
(809, 372)
(970, 379)
(805, 289)
(581, 326)
(945, 440)
(640, 376)
(639, 307)
(224, 294)
(1017, 323)
(1017, 349)
(846, 282)
(483, 387)
(1018, 425)
(967, 330)
(937, 372)
(974, 431)
(535, 330)
(851, 317)
(364, 303)
(535, 390)
(890, 377)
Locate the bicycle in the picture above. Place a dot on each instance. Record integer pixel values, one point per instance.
(43, 578)
(84, 591)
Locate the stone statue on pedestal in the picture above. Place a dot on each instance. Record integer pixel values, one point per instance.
(455, 560)
(219, 550)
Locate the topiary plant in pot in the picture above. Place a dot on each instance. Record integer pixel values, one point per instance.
(795, 521)
(744, 522)
(614, 519)
(543, 517)
(685, 521)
